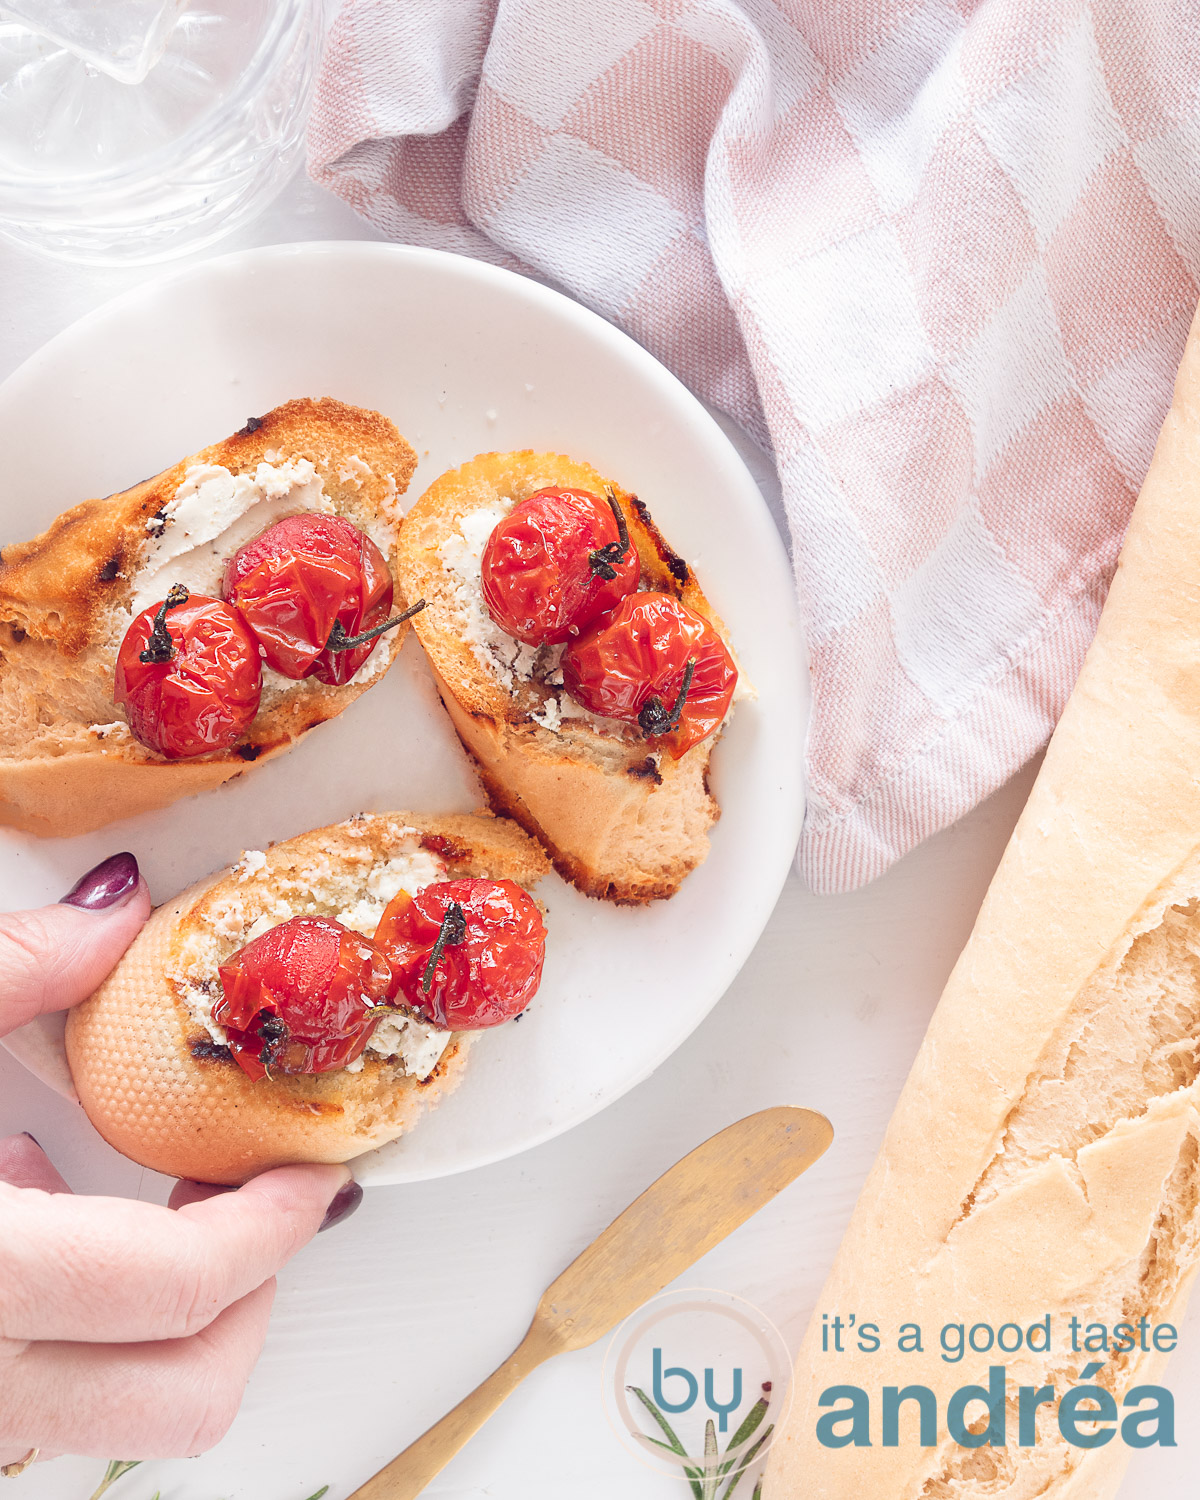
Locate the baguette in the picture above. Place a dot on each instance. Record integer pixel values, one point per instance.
(152, 1073)
(1042, 1158)
(619, 820)
(68, 762)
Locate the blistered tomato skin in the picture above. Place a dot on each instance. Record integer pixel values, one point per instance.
(633, 666)
(205, 695)
(555, 564)
(486, 977)
(299, 579)
(299, 998)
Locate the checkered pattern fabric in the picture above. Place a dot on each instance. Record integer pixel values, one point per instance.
(940, 257)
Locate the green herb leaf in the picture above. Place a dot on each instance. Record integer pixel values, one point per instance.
(751, 1420)
(116, 1468)
(747, 1459)
(644, 1437)
(757, 1495)
(121, 1466)
(694, 1475)
(675, 1445)
(691, 1473)
(712, 1476)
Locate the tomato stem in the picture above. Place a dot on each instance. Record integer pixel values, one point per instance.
(340, 641)
(273, 1031)
(654, 718)
(604, 559)
(160, 648)
(452, 931)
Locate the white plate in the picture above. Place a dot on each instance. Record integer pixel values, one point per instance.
(464, 358)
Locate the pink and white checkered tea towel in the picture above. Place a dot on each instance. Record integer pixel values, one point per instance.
(940, 256)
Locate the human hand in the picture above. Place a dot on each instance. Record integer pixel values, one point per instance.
(127, 1328)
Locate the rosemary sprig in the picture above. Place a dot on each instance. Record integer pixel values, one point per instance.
(116, 1468)
(712, 1474)
(706, 1482)
(120, 1466)
(749, 1423)
(694, 1475)
(747, 1459)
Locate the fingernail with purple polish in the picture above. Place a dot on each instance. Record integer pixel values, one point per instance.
(109, 883)
(345, 1201)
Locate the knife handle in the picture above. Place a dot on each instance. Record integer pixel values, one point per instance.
(408, 1474)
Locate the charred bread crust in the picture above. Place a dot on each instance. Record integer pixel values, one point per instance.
(632, 886)
(64, 598)
(620, 821)
(56, 587)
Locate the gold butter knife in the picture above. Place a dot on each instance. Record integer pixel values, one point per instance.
(691, 1208)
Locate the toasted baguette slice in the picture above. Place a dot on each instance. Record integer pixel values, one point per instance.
(1043, 1160)
(153, 1077)
(619, 820)
(68, 763)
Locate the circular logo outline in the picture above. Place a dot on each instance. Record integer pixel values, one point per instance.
(702, 1300)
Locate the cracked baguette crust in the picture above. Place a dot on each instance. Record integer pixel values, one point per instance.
(615, 824)
(1017, 1177)
(129, 1045)
(63, 598)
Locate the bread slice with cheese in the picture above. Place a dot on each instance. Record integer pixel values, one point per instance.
(620, 819)
(1044, 1157)
(150, 1065)
(68, 762)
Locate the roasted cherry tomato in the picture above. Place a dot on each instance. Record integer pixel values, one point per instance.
(559, 560)
(188, 675)
(466, 953)
(301, 998)
(307, 587)
(655, 663)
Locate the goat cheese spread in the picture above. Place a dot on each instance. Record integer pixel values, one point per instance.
(212, 514)
(462, 555)
(510, 661)
(415, 1044)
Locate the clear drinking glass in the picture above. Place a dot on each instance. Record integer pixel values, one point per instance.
(138, 130)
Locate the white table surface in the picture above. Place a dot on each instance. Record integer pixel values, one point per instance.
(385, 1322)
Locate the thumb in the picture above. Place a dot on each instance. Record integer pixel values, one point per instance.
(55, 956)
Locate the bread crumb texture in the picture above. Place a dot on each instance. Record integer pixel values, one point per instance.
(1112, 1108)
